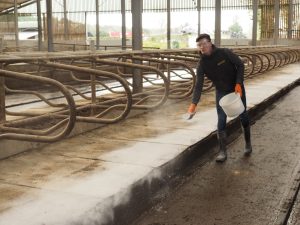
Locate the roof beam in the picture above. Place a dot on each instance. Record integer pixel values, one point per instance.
(10, 5)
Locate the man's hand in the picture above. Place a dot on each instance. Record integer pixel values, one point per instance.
(238, 89)
(191, 110)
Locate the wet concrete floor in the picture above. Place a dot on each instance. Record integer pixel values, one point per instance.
(242, 190)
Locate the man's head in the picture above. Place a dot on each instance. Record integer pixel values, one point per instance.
(204, 44)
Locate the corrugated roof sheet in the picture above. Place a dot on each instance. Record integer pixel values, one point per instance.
(148, 5)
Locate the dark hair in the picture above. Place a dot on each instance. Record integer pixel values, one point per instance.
(203, 36)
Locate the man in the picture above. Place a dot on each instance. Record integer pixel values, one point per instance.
(226, 70)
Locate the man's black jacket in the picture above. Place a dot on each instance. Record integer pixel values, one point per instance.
(223, 67)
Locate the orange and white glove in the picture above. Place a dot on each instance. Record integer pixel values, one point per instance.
(192, 110)
(238, 89)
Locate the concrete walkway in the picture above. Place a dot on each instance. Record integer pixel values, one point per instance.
(107, 175)
(255, 190)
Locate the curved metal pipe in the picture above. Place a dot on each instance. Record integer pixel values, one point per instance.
(42, 137)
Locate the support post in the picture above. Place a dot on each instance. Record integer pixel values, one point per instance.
(217, 41)
(137, 42)
(168, 24)
(254, 22)
(290, 19)
(97, 26)
(66, 23)
(49, 25)
(39, 21)
(16, 24)
(123, 12)
(45, 26)
(85, 29)
(276, 25)
(199, 15)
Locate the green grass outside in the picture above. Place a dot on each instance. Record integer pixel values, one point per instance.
(160, 41)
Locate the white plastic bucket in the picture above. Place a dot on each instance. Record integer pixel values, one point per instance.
(232, 104)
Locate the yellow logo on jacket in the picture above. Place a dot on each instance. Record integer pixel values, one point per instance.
(221, 62)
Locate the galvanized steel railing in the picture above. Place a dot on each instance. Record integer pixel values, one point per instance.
(37, 126)
(110, 107)
(152, 96)
(181, 85)
(103, 85)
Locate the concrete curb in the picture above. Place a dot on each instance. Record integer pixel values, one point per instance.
(145, 194)
(288, 201)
